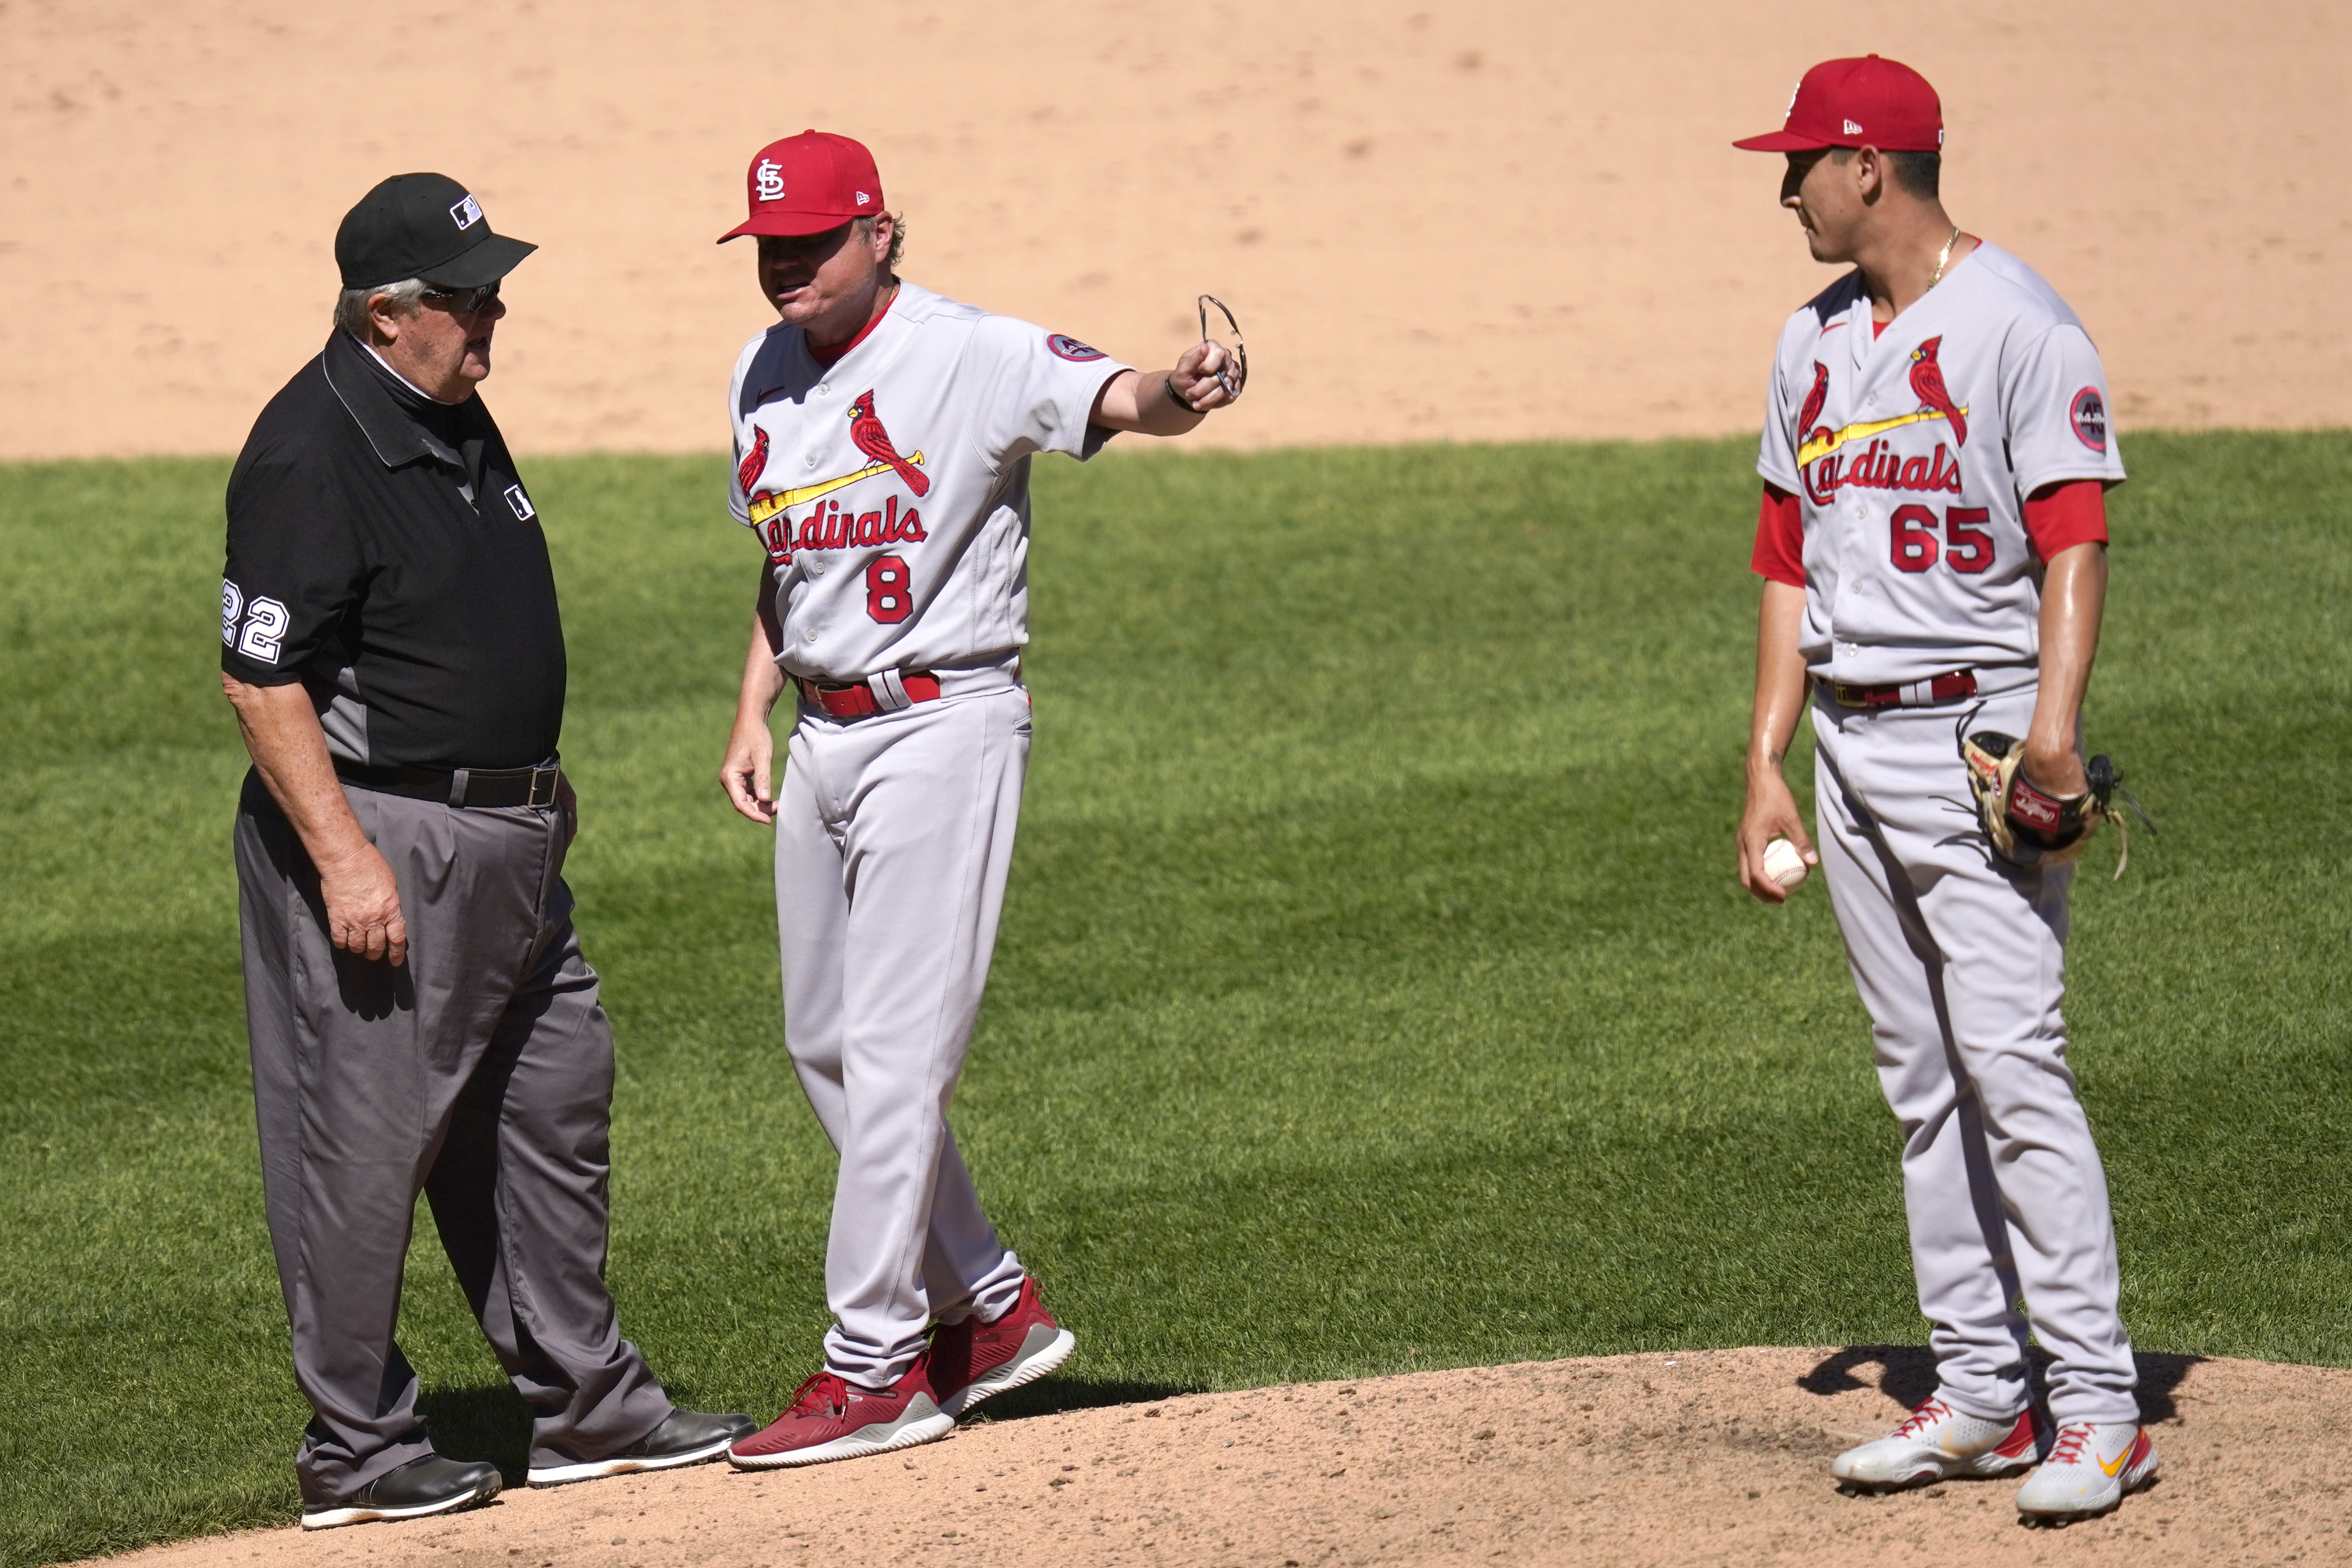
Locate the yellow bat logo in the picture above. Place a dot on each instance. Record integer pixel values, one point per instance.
(1822, 443)
(764, 507)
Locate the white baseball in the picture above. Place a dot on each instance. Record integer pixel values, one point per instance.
(1784, 866)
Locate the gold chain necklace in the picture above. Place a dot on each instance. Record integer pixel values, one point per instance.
(1945, 259)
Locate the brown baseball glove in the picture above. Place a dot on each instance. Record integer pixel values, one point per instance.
(2028, 824)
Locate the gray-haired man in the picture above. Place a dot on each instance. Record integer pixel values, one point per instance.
(421, 1015)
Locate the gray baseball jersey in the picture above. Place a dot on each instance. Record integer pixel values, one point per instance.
(891, 488)
(1913, 451)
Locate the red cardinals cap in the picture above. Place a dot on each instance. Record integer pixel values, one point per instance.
(808, 183)
(1867, 102)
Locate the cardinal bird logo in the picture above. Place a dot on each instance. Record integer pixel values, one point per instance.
(1927, 380)
(755, 464)
(1816, 400)
(866, 429)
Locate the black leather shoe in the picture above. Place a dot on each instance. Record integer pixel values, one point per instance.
(688, 1437)
(427, 1485)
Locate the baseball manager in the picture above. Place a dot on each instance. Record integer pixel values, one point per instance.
(420, 1013)
(883, 438)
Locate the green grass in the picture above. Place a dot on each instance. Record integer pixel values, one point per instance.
(1374, 992)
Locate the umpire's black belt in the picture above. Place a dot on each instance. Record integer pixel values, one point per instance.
(460, 786)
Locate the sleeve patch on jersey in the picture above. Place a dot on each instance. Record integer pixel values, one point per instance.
(1068, 347)
(2089, 417)
(520, 503)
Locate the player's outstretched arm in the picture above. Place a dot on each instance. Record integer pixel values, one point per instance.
(746, 773)
(1169, 401)
(2073, 600)
(1771, 812)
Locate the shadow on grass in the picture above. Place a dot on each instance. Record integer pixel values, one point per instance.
(1055, 1394)
(1907, 1376)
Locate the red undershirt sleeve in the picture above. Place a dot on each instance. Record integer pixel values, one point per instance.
(2060, 517)
(1780, 538)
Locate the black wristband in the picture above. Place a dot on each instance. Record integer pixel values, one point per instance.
(1174, 396)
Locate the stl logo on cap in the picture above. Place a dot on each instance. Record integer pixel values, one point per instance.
(808, 183)
(467, 213)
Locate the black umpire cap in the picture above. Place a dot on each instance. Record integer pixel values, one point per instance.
(423, 226)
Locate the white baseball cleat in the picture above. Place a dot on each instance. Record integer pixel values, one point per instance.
(2090, 1469)
(1937, 1443)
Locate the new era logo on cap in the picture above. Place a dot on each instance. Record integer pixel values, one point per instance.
(1852, 129)
(467, 212)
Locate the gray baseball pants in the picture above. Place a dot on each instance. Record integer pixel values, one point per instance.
(1960, 958)
(479, 1072)
(894, 834)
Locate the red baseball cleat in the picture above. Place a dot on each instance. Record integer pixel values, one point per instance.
(832, 1419)
(972, 1359)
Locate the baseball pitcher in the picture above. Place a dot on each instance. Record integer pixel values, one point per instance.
(1933, 540)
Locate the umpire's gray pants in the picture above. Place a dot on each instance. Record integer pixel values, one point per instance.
(480, 1073)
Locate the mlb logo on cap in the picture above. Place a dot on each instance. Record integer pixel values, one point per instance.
(423, 226)
(808, 183)
(1865, 102)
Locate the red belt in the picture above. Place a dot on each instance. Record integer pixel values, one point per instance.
(1950, 686)
(886, 693)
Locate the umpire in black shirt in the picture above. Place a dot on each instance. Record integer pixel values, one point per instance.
(420, 1012)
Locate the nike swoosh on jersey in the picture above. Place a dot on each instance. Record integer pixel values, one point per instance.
(1822, 445)
(766, 507)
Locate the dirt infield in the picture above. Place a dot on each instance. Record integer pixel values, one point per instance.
(1712, 1456)
(1473, 222)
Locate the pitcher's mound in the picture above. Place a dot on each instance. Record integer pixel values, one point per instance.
(1705, 1456)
